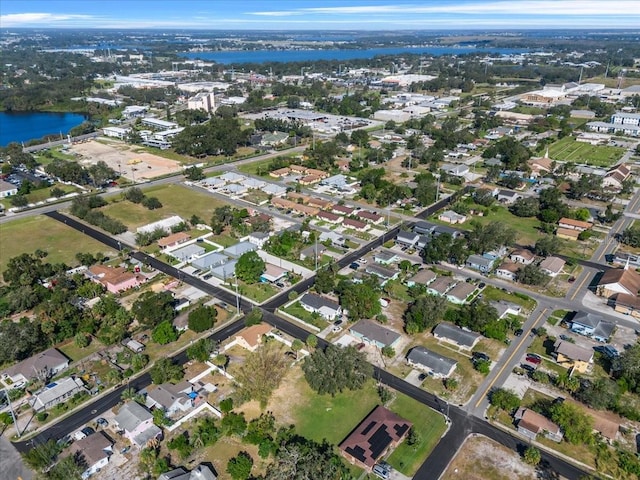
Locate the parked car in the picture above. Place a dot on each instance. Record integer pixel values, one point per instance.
(102, 422)
(88, 431)
(362, 261)
(528, 368)
(566, 338)
(534, 358)
(518, 332)
(607, 350)
(354, 266)
(480, 356)
(381, 471)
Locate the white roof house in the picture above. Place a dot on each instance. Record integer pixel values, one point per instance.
(164, 224)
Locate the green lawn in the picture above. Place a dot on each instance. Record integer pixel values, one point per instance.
(223, 240)
(44, 193)
(320, 417)
(491, 293)
(76, 353)
(258, 291)
(569, 150)
(527, 229)
(430, 427)
(256, 168)
(175, 199)
(297, 311)
(26, 235)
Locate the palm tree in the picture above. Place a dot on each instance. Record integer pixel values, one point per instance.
(131, 394)
(221, 362)
(114, 376)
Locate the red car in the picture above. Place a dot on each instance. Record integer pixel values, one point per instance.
(533, 358)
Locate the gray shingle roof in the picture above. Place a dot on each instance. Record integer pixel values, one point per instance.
(131, 415)
(432, 360)
(317, 302)
(455, 333)
(376, 332)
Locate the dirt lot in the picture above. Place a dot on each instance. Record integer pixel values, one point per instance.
(483, 459)
(132, 164)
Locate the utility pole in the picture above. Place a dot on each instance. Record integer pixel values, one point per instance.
(237, 299)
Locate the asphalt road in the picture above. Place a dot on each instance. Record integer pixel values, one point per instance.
(462, 423)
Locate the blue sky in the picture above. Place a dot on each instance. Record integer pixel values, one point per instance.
(321, 14)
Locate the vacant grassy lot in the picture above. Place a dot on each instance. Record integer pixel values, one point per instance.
(59, 241)
(44, 193)
(491, 293)
(175, 199)
(75, 353)
(483, 459)
(569, 150)
(430, 426)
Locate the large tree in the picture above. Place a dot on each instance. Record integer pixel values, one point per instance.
(574, 422)
(165, 370)
(151, 308)
(424, 313)
(627, 366)
(249, 267)
(361, 300)
(335, 369)
(202, 318)
(261, 373)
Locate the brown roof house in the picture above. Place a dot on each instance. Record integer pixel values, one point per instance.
(94, 450)
(44, 365)
(572, 356)
(251, 337)
(174, 240)
(531, 424)
(381, 431)
(618, 280)
(627, 304)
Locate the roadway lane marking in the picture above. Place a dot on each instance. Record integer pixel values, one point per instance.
(580, 286)
(504, 365)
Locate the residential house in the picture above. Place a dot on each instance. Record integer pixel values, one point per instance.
(449, 216)
(572, 356)
(212, 182)
(440, 285)
(453, 334)
(423, 241)
(618, 280)
(571, 224)
(224, 271)
(239, 249)
(280, 172)
(330, 217)
(258, 238)
(422, 228)
(568, 233)
(313, 252)
(115, 279)
(133, 345)
(371, 217)
(380, 432)
(201, 472)
(43, 365)
(374, 334)
(209, 261)
(531, 424)
(627, 304)
(481, 263)
(272, 273)
(7, 189)
(235, 189)
(385, 257)
(355, 224)
(507, 271)
(552, 266)
(173, 240)
(274, 190)
(171, 398)
(310, 179)
(436, 365)
(326, 308)
(342, 210)
(166, 224)
(442, 229)
(137, 423)
(615, 178)
(94, 452)
(506, 308)
(232, 177)
(460, 293)
(540, 167)
(381, 272)
(188, 253)
(407, 239)
(592, 325)
(254, 183)
(624, 259)
(335, 239)
(319, 203)
(522, 256)
(423, 277)
(57, 392)
(250, 338)
(507, 197)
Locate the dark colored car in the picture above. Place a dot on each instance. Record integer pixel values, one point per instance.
(480, 356)
(518, 332)
(533, 358)
(528, 368)
(88, 431)
(354, 266)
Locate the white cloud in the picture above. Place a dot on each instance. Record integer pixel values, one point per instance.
(21, 19)
(519, 8)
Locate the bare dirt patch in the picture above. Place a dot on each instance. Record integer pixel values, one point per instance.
(285, 398)
(131, 164)
(483, 459)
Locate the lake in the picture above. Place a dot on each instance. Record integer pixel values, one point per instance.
(262, 56)
(24, 126)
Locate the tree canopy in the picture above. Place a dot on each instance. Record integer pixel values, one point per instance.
(424, 313)
(335, 369)
(249, 267)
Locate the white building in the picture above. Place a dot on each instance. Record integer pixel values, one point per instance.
(7, 189)
(158, 124)
(202, 101)
(116, 132)
(165, 225)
